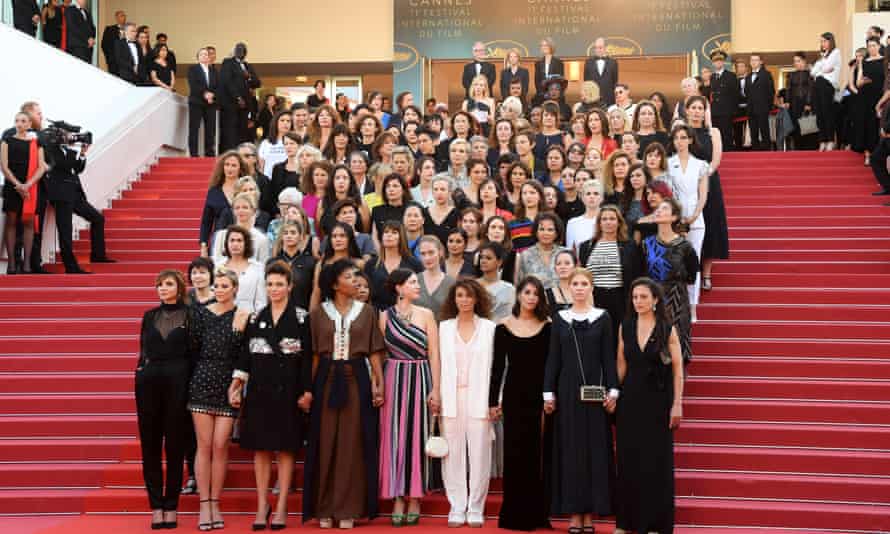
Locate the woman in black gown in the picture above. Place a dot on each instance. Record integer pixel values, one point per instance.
(650, 368)
(709, 147)
(869, 81)
(582, 353)
(276, 363)
(522, 341)
(22, 162)
(160, 71)
(52, 23)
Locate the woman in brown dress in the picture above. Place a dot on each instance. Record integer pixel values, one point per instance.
(341, 464)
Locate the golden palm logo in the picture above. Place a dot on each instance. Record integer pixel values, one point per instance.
(404, 57)
(721, 41)
(499, 48)
(617, 45)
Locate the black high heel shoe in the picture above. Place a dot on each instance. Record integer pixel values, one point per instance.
(157, 525)
(262, 526)
(279, 526)
(170, 525)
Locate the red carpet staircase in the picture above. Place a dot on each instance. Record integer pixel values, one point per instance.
(788, 403)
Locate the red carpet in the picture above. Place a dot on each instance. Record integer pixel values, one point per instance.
(788, 404)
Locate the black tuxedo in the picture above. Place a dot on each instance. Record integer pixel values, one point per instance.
(606, 81)
(123, 58)
(507, 76)
(110, 37)
(236, 79)
(200, 110)
(67, 196)
(556, 67)
(761, 92)
(724, 102)
(23, 12)
(80, 29)
(470, 73)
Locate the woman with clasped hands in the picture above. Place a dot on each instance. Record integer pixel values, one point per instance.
(581, 373)
(276, 364)
(650, 368)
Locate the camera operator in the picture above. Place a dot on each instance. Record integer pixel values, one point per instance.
(67, 196)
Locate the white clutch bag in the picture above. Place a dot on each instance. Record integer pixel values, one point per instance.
(436, 446)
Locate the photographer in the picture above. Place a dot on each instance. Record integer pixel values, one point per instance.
(66, 194)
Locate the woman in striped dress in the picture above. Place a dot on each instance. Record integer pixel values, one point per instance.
(411, 381)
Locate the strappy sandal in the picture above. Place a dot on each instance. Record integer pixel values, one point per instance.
(205, 527)
(706, 283)
(216, 525)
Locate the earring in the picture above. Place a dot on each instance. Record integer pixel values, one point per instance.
(654, 306)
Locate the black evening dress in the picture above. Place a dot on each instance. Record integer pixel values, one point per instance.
(19, 152)
(716, 243)
(582, 465)
(217, 346)
(644, 439)
(52, 30)
(526, 504)
(276, 361)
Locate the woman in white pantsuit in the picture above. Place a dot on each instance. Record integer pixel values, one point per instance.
(689, 179)
(466, 346)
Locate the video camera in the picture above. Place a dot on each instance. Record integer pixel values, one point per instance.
(62, 133)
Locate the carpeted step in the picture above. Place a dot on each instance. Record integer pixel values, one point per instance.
(727, 311)
(68, 363)
(802, 367)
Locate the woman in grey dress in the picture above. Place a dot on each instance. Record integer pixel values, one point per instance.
(434, 284)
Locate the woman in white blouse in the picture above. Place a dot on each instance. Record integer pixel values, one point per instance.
(271, 150)
(244, 209)
(236, 257)
(466, 346)
(826, 73)
(689, 179)
(580, 228)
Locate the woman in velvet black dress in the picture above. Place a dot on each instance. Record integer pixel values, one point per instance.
(522, 341)
(650, 366)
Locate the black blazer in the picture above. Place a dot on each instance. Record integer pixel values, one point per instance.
(23, 12)
(724, 94)
(470, 72)
(607, 81)
(628, 253)
(63, 180)
(507, 76)
(233, 83)
(79, 29)
(198, 84)
(123, 59)
(556, 67)
(761, 92)
(110, 37)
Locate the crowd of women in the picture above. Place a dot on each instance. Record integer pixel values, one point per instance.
(398, 303)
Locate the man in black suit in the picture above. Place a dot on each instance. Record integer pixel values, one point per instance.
(128, 55)
(603, 70)
(26, 16)
(738, 127)
(761, 94)
(724, 97)
(113, 34)
(81, 31)
(202, 103)
(67, 196)
(477, 67)
(236, 79)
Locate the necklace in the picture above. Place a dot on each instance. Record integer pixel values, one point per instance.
(404, 316)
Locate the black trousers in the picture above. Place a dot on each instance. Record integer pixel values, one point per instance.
(161, 396)
(202, 113)
(826, 114)
(611, 299)
(65, 212)
(724, 124)
(230, 128)
(758, 124)
(82, 53)
(879, 163)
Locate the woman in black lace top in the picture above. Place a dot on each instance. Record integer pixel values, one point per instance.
(162, 378)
